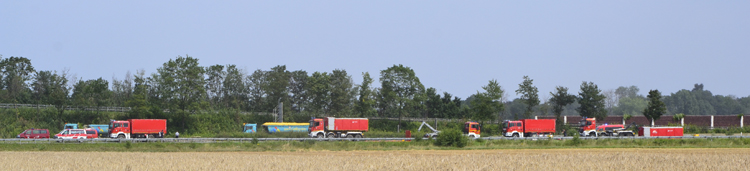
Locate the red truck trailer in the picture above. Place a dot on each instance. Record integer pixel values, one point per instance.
(660, 131)
(528, 127)
(330, 127)
(138, 128)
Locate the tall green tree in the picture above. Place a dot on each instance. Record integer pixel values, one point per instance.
(235, 89)
(591, 101)
(139, 105)
(486, 105)
(340, 93)
(434, 104)
(278, 82)
(122, 90)
(214, 84)
(400, 90)
(52, 88)
(366, 101)
(298, 86)
(182, 84)
(91, 93)
(320, 87)
(256, 83)
(529, 94)
(16, 73)
(656, 107)
(559, 100)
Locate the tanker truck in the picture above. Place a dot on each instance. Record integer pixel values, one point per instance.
(331, 127)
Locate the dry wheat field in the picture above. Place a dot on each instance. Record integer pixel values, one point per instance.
(533, 159)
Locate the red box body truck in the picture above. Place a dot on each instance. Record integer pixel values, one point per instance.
(138, 128)
(332, 127)
(528, 127)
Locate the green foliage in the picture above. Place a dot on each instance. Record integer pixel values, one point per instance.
(559, 100)
(627, 117)
(365, 105)
(128, 145)
(656, 107)
(180, 84)
(678, 117)
(401, 92)
(529, 94)
(418, 138)
(341, 94)
(451, 138)
(576, 141)
(486, 105)
(631, 106)
(592, 101)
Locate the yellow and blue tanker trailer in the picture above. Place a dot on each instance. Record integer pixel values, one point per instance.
(274, 127)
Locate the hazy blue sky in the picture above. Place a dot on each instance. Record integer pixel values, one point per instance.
(454, 46)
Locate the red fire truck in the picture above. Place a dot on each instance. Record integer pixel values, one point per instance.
(587, 127)
(330, 127)
(138, 128)
(472, 129)
(528, 127)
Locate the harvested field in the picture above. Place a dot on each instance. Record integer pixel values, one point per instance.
(534, 159)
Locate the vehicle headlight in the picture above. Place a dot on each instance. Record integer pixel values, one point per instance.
(18, 136)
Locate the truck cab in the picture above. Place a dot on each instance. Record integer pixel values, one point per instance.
(119, 129)
(512, 128)
(472, 129)
(316, 128)
(71, 126)
(588, 127)
(250, 128)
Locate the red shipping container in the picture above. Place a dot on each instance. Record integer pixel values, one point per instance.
(346, 124)
(147, 126)
(538, 125)
(660, 131)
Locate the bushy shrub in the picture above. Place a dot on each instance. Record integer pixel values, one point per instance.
(576, 141)
(451, 138)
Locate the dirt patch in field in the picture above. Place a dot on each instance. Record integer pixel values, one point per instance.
(534, 159)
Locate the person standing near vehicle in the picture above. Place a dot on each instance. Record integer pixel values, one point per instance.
(176, 134)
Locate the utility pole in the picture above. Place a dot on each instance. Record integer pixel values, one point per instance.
(281, 112)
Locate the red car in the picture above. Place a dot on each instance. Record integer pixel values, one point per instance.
(34, 133)
(77, 134)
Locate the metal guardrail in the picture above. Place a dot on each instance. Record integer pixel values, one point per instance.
(85, 108)
(248, 140)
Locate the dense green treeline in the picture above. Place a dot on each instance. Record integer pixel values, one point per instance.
(182, 89)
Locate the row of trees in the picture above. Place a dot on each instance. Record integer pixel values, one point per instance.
(182, 85)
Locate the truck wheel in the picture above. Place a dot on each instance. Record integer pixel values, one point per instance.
(515, 135)
(120, 136)
(331, 135)
(357, 136)
(349, 136)
(320, 135)
(592, 134)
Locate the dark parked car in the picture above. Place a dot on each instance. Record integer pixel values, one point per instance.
(34, 133)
